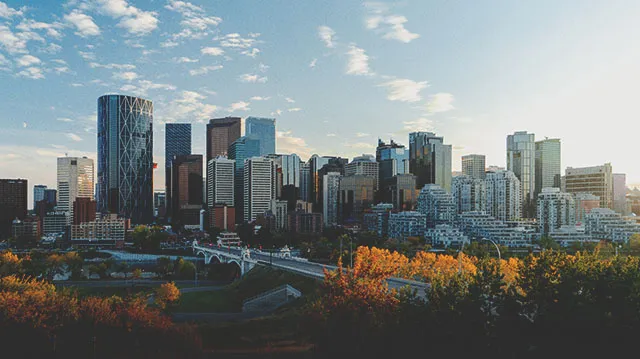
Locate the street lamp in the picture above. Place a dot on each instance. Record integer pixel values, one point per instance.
(495, 245)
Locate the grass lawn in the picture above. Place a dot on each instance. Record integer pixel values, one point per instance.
(123, 291)
(215, 301)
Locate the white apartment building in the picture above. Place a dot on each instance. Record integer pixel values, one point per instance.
(444, 235)
(220, 181)
(503, 195)
(469, 193)
(606, 224)
(555, 209)
(437, 205)
(407, 224)
(259, 186)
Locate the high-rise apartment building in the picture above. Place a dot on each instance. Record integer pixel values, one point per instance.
(620, 194)
(264, 129)
(259, 186)
(13, 203)
(221, 133)
(38, 193)
(125, 157)
(177, 142)
(75, 179)
(436, 204)
(548, 166)
(330, 191)
(186, 188)
(474, 166)
(430, 159)
(597, 180)
(363, 165)
(240, 150)
(521, 160)
(468, 193)
(555, 209)
(503, 196)
(220, 181)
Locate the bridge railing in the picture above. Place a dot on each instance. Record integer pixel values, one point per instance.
(285, 287)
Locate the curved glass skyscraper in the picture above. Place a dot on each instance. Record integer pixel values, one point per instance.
(125, 157)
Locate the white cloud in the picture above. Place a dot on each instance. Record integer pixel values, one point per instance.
(252, 78)
(4, 60)
(404, 90)
(289, 100)
(64, 119)
(52, 29)
(169, 43)
(440, 102)
(204, 70)
(24, 125)
(195, 22)
(262, 67)
(327, 35)
(188, 107)
(7, 12)
(132, 19)
(420, 124)
(239, 106)
(259, 98)
(88, 56)
(10, 42)
(184, 59)
(143, 87)
(34, 73)
(251, 53)
(287, 143)
(276, 112)
(294, 109)
(331, 135)
(112, 66)
(313, 63)
(61, 69)
(234, 40)
(362, 134)
(358, 61)
(125, 76)
(390, 25)
(213, 51)
(52, 48)
(77, 85)
(83, 23)
(74, 137)
(27, 60)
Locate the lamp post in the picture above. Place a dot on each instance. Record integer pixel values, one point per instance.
(495, 245)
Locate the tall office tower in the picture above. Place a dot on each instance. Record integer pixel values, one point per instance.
(521, 160)
(259, 186)
(186, 188)
(305, 181)
(13, 203)
(177, 142)
(330, 190)
(51, 196)
(38, 193)
(160, 202)
(555, 209)
(503, 195)
(393, 159)
(241, 149)
(437, 204)
(290, 168)
(597, 180)
(263, 129)
(221, 132)
(220, 181)
(585, 202)
(75, 179)
(474, 166)
(547, 164)
(356, 195)
(620, 194)
(469, 194)
(400, 190)
(430, 159)
(125, 157)
(318, 167)
(84, 210)
(363, 165)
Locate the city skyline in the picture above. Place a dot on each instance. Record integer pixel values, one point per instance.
(57, 65)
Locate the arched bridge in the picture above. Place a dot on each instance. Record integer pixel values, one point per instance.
(247, 259)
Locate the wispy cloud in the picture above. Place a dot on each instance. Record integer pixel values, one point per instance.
(404, 90)
(420, 124)
(440, 102)
(190, 105)
(184, 59)
(112, 66)
(125, 76)
(204, 70)
(313, 63)
(135, 21)
(294, 109)
(239, 106)
(83, 23)
(64, 119)
(362, 134)
(196, 24)
(288, 143)
(27, 60)
(260, 98)
(74, 137)
(327, 35)
(213, 51)
(358, 63)
(8, 12)
(252, 78)
(34, 73)
(391, 26)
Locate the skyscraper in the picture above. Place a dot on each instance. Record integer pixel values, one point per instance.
(363, 165)
(259, 186)
(430, 159)
(264, 129)
(548, 166)
(356, 195)
(220, 181)
(221, 132)
(620, 193)
(393, 159)
(597, 180)
(13, 203)
(503, 195)
(75, 179)
(38, 193)
(186, 188)
(521, 160)
(177, 143)
(241, 149)
(330, 190)
(473, 166)
(125, 157)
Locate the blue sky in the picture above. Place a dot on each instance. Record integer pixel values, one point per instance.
(335, 74)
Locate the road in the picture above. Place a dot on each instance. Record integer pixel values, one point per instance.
(131, 282)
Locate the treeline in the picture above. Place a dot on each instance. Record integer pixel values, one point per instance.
(38, 321)
(550, 305)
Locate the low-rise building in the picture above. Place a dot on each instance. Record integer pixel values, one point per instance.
(444, 235)
(568, 235)
(606, 224)
(407, 224)
(378, 219)
(106, 231)
(54, 222)
(437, 205)
(478, 225)
(305, 222)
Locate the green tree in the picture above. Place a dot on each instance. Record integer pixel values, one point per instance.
(164, 266)
(547, 242)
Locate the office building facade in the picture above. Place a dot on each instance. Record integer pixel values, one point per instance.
(403, 225)
(521, 160)
(259, 186)
(597, 180)
(84, 210)
(620, 194)
(13, 203)
(177, 142)
(75, 179)
(363, 165)
(220, 181)
(263, 129)
(474, 166)
(240, 150)
(221, 133)
(125, 157)
(393, 159)
(548, 166)
(430, 159)
(330, 191)
(38, 193)
(356, 195)
(186, 187)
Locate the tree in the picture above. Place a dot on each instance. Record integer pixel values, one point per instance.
(137, 273)
(167, 295)
(547, 242)
(187, 270)
(634, 244)
(74, 264)
(164, 266)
